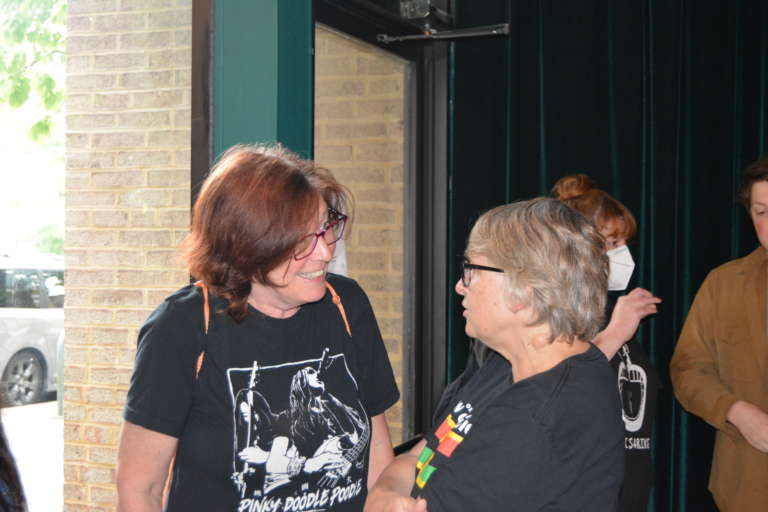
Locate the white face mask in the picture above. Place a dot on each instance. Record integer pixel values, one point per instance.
(620, 268)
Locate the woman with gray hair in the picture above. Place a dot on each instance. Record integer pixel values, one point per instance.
(537, 426)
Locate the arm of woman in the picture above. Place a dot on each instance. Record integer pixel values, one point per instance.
(695, 373)
(143, 461)
(392, 492)
(382, 454)
(695, 369)
(630, 309)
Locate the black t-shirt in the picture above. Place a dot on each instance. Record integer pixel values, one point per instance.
(638, 385)
(550, 442)
(278, 418)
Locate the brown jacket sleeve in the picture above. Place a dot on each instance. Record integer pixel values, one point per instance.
(695, 368)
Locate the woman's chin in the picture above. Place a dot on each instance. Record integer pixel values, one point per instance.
(317, 292)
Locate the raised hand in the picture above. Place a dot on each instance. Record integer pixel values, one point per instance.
(625, 319)
(629, 310)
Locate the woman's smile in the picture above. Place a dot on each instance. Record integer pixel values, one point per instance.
(312, 275)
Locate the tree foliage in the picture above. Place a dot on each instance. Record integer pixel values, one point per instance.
(31, 44)
(50, 239)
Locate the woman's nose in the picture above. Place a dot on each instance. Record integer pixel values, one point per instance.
(460, 288)
(323, 251)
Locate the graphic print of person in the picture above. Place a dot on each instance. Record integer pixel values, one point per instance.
(328, 432)
(316, 433)
(259, 442)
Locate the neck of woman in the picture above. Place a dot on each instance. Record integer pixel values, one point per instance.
(267, 300)
(532, 353)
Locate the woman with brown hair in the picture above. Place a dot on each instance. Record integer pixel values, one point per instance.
(638, 381)
(216, 361)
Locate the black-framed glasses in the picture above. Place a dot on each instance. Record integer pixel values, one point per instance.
(332, 231)
(467, 268)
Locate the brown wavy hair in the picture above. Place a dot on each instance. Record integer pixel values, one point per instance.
(252, 210)
(580, 193)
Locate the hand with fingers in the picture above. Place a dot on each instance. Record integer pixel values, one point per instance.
(630, 309)
(393, 502)
(752, 422)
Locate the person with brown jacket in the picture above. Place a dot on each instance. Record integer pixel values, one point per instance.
(720, 366)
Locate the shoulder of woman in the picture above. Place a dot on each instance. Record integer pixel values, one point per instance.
(183, 299)
(729, 274)
(346, 287)
(744, 264)
(354, 299)
(180, 307)
(575, 380)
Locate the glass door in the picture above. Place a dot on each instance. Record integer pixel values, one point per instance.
(360, 123)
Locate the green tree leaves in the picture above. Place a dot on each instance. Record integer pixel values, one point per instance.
(50, 239)
(32, 37)
(51, 95)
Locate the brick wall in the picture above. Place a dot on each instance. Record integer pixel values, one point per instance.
(127, 208)
(359, 119)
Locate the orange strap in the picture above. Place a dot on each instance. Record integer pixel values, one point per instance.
(337, 300)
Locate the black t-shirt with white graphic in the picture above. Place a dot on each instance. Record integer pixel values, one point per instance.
(638, 384)
(550, 442)
(278, 418)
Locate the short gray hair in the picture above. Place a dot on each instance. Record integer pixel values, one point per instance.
(552, 250)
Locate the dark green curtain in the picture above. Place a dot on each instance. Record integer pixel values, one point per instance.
(663, 103)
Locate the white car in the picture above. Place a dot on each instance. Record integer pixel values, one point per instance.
(31, 325)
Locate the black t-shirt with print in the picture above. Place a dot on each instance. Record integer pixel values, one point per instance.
(638, 384)
(278, 418)
(553, 441)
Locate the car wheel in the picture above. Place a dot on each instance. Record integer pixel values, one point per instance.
(23, 379)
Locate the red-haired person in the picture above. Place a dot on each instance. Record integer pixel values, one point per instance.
(210, 396)
(719, 368)
(638, 381)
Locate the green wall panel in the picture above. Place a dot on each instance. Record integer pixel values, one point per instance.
(263, 73)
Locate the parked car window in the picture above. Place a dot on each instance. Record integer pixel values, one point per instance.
(25, 288)
(31, 288)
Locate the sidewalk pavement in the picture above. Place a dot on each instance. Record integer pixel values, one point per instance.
(36, 436)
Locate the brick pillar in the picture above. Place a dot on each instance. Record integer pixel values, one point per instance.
(127, 209)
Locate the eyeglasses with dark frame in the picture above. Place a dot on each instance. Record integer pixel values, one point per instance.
(467, 268)
(332, 231)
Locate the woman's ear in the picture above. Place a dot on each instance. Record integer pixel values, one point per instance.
(516, 303)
